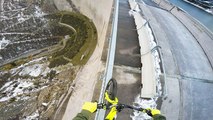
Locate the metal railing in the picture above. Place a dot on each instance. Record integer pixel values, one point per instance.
(110, 59)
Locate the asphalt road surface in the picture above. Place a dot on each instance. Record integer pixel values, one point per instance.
(127, 49)
(189, 73)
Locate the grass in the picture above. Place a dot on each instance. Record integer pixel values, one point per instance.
(12, 100)
(57, 61)
(14, 64)
(80, 46)
(89, 46)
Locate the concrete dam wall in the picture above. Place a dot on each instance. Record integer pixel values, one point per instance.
(97, 10)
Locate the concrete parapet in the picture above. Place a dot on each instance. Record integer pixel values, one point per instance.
(148, 68)
(164, 4)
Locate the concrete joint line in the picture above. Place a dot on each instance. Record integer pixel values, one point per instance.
(189, 78)
(129, 69)
(197, 79)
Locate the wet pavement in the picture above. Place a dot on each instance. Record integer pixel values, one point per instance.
(127, 60)
(127, 49)
(128, 79)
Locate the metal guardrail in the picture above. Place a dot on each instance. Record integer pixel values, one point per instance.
(163, 77)
(110, 60)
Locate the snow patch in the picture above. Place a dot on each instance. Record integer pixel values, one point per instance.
(44, 72)
(21, 67)
(19, 89)
(21, 17)
(143, 103)
(4, 43)
(33, 70)
(37, 60)
(6, 85)
(44, 104)
(157, 61)
(209, 11)
(38, 12)
(16, 88)
(34, 116)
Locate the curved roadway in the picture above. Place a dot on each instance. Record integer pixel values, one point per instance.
(189, 73)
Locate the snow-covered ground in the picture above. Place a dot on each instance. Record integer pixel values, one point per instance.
(34, 83)
(21, 84)
(22, 30)
(3, 43)
(15, 88)
(140, 102)
(38, 12)
(34, 116)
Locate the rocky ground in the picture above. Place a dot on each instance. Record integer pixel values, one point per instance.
(34, 78)
(34, 89)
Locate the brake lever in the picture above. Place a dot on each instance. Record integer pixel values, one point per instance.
(120, 107)
(100, 106)
(148, 112)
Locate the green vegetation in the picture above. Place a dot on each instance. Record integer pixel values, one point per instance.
(78, 37)
(7, 67)
(79, 45)
(14, 64)
(51, 74)
(58, 61)
(12, 99)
